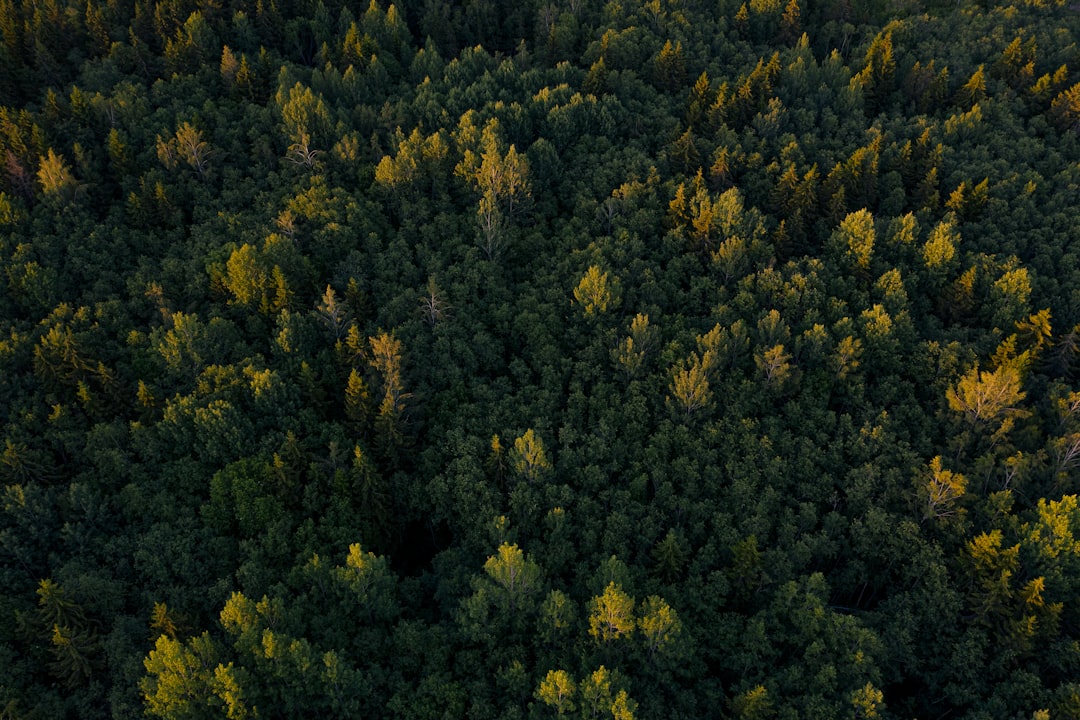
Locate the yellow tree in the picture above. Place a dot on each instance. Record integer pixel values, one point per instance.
(775, 363)
(596, 693)
(659, 624)
(501, 179)
(612, 615)
(192, 148)
(557, 690)
(513, 572)
(631, 351)
(594, 293)
(855, 238)
(55, 177)
(941, 490)
(690, 387)
(530, 460)
(988, 399)
(385, 358)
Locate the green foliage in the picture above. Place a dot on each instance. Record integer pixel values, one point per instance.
(775, 299)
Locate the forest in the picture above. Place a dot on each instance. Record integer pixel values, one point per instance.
(534, 359)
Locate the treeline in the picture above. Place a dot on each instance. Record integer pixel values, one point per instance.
(494, 360)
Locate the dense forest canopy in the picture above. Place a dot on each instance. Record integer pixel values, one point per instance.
(664, 359)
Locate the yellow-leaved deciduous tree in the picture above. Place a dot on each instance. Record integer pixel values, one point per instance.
(992, 568)
(941, 490)
(181, 345)
(940, 248)
(690, 387)
(1036, 333)
(530, 460)
(306, 120)
(1065, 110)
(433, 305)
(659, 624)
(594, 293)
(186, 145)
(596, 693)
(398, 173)
(501, 179)
(598, 699)
(335, 313)
(193, 149)
(623, 707)
(867, 701)
(1053, 533)
(55, 177)
(611, 615)
(855, 238)
(1010, 295)
(357, 398)
(846, 358)
(246, 276)
(385, 357)
(988, 399)
(690, 378)
(754, 704)
(775, 364)
(557, 690)
(162, 620)
(631, 351)
(180, 679)
(513, 572)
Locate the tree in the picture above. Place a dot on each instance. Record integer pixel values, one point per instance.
(867, 701)
(594, 293)
(974, 90)
(557, 690)
(529, 459)
(193, 148)
(775, 363)
(335, 313)
(690, 387)
(1065, 110)
(877, 77)
(596, 693)
(386, 360)
(55, 178)
(306, 120)
(670, 68)
(433, 305)
(515, 574)
(940, 248)
(855, 240)
(501, 179)
(611, 615)
(988, 399)
(180, 677)
(941, 489)
(754, 704)
(659, 624)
